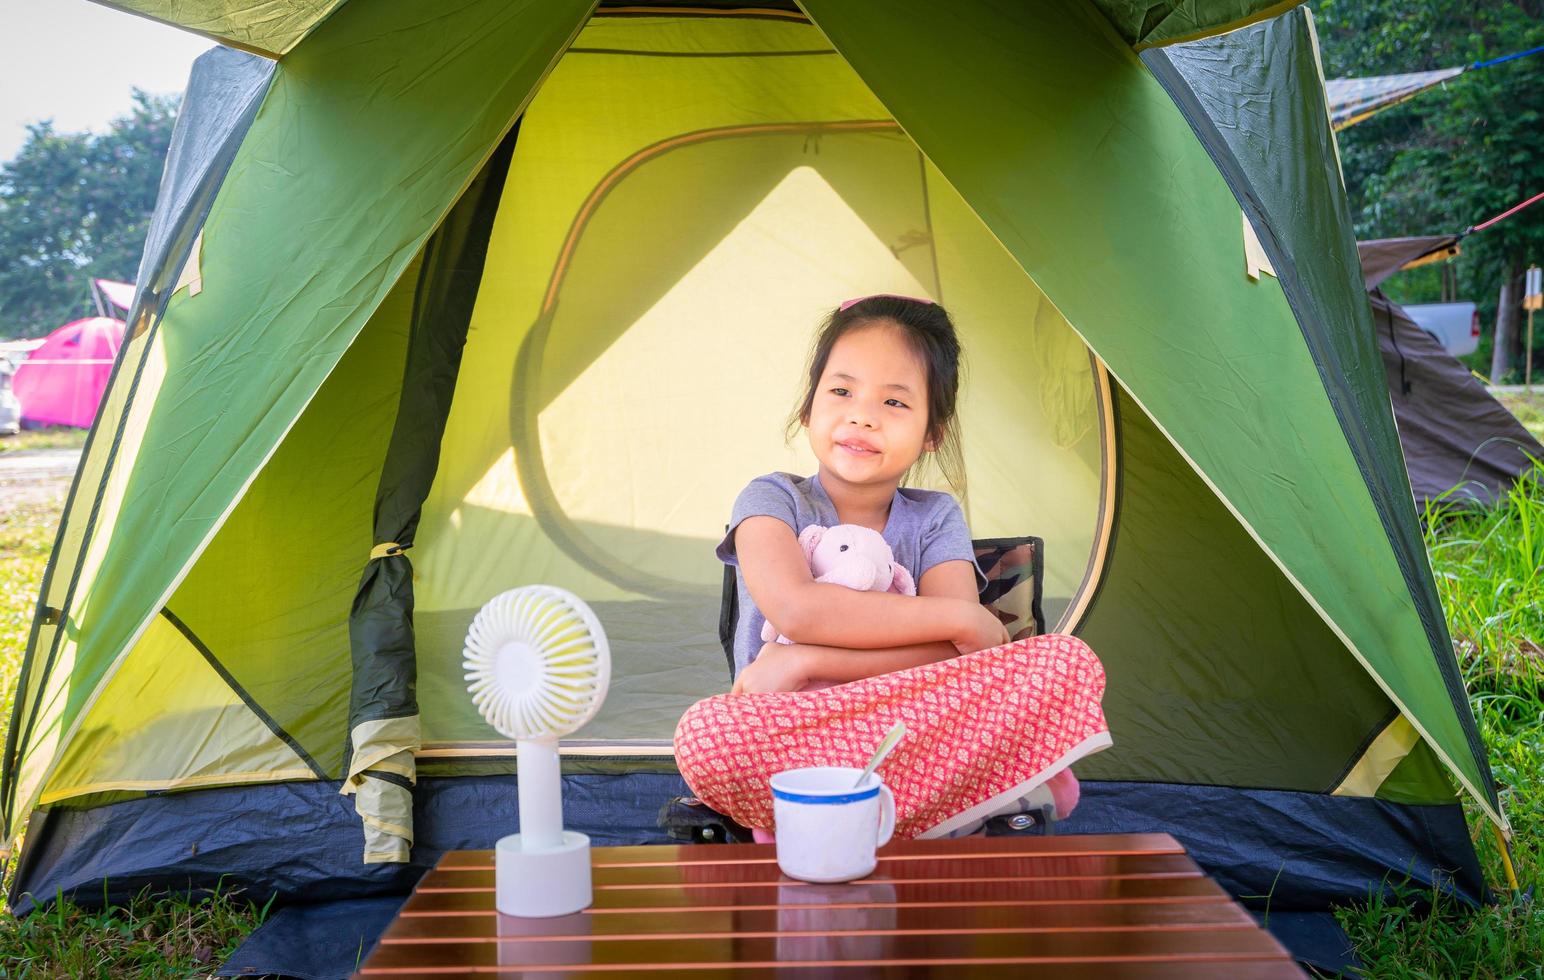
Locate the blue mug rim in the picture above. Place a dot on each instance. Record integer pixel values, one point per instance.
(867, 793)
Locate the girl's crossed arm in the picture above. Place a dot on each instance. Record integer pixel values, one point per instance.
(842, 635)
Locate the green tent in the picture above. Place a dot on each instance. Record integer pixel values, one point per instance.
(526, 288)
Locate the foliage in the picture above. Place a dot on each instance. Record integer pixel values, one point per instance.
(1453, 156)
(73, 207)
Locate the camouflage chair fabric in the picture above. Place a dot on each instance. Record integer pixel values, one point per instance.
(1013, 568)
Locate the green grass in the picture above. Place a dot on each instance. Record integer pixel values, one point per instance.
(165, 936)
(1529, 409)
(52, 437)
(1490, 572)
(26, 535)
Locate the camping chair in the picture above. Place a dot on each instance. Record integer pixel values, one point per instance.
(1015, 574)
(1014, 570)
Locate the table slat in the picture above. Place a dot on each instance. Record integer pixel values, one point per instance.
(1222, 969)
(1190, 946)
(931, 869)
(673, 854)
(966, 894)
(953, 970)
(647, 924)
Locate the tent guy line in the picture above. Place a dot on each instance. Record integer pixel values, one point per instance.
(1506, 214)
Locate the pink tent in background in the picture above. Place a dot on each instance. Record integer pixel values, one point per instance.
(63, 380)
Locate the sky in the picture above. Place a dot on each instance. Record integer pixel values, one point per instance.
(77, 63)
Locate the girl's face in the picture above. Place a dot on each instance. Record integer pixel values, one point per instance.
(868, 420)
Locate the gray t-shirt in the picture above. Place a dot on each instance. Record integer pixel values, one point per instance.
(925, 528)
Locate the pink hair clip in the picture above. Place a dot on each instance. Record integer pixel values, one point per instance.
(854, 302)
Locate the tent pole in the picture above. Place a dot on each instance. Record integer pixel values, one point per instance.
(1505, 847)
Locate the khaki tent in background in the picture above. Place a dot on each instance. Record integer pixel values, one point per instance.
(527, 287)
(1461, 446)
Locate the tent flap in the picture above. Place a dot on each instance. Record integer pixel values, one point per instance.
(381, 618)
(1178, 559)
(1254, 97)
(424, 99)
(224, 92)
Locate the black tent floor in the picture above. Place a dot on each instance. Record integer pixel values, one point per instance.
(1314, 938)
(320, 941)
(328, 940)
(1297, 851)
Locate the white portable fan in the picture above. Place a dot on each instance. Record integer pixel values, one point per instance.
(537, 665)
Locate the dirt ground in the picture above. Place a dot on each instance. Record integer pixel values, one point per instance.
(29, 477)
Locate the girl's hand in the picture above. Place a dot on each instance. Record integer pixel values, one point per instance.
(980, 630)
(778, 667)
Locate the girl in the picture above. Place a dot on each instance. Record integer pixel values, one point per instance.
(882, 389)
(883, 384)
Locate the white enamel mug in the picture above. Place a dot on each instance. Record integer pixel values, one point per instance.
(827, 830)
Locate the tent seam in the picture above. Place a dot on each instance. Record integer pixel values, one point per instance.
(1361, 749)
(207, 781)
(241, 692)
(1274, 10)
(698, 54)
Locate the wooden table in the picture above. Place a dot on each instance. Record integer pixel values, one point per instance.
(1070, 907)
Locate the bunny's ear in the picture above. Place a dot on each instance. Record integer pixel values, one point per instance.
(901, 580)
(809, 540)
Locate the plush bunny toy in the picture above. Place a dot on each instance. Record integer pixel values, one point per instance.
(850, 555)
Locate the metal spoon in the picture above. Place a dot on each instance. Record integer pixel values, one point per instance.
(891, 739)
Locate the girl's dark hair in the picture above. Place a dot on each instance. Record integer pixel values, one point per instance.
(930, 333)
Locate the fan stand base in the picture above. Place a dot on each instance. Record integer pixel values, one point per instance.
(544, 883)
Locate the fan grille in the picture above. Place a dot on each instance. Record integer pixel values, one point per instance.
(537, 662)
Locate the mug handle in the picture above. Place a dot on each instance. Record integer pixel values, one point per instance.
(886, 815)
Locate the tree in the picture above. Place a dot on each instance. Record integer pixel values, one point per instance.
(1453, 156)
(73, 207)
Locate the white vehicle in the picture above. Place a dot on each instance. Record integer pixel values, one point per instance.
(10, 408)
(1456, 326)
